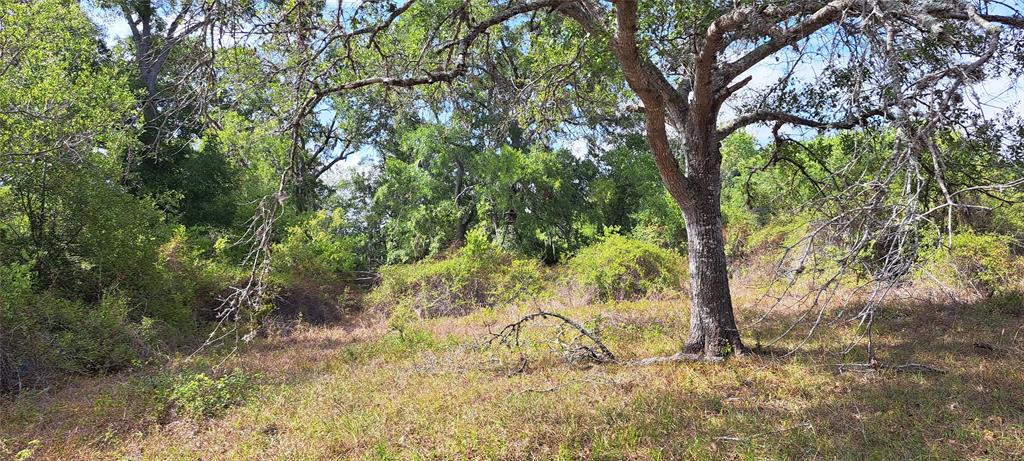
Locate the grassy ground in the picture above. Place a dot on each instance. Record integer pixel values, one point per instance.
(358, 391)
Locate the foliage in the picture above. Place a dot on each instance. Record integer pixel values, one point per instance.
(90, 338)
(414, 340)
(17, 327)
(199, 396)
(79, 252)
(535, 201)
(402, 318)
(419, 216)
(200, 186)
(629, 196)
(316, 250)
(438, 183)
(1008, 219)
(475, 276)
(193, 271)
(620, 268)
(45, 332)
(983, 263)
(65, 208)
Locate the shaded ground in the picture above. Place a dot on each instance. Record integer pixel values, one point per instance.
(360, 392)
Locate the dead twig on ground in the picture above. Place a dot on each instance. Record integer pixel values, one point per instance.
(874, 367)
(598, 353)
(736, 438)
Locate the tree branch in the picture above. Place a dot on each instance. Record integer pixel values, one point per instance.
(458, 67)
(824, 16)
(792, 119)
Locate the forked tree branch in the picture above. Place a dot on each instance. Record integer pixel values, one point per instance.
(793, 119)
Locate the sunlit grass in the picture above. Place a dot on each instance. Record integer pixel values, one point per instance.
(361, 392)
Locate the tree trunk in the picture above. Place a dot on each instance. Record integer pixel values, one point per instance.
(696, 185)
(713, 331)
(465, 217)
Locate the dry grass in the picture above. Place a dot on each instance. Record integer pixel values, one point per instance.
(360, 392)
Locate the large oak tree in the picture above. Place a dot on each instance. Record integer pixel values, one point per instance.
(895, 66)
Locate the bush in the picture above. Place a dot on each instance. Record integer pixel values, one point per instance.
(402, 318)
(95, 235)
(776, 234)
(983, 263)
(45, 332)
(310, 265)
(315, 250)
(477, 275)
(192, 275)
(199, 396)
(90, 339)
(620, 268)
(15, 327)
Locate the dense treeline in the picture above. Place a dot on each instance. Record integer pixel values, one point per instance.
(127, 196)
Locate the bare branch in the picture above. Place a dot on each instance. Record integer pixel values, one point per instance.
(793, 119)
(815, 22)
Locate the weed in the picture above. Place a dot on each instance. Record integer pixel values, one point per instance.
(199, 396)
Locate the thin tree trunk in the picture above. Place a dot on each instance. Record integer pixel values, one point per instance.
(462, 226)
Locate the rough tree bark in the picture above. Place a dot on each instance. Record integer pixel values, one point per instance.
(696, 186)
(713, 330)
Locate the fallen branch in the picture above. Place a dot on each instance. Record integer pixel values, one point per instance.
(577, 353)
(734, 438)
(876, 367)
(509, 335)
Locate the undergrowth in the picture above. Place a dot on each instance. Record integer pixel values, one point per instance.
(475, 276)
(620, 268)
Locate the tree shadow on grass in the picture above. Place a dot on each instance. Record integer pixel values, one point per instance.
(802, 406)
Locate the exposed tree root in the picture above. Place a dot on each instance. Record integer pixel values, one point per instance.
(675, 358)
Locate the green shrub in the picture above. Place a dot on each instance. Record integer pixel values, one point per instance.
(315, 250)
(46, 332)
(777, 234)
(192, 273)
(199, 396)
(90, 339)
(1009, 220)
(402, 318)
(983, 263)
(477, 275)
(621, 268)
(659, 221)
(15, 327)
(94, 234)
